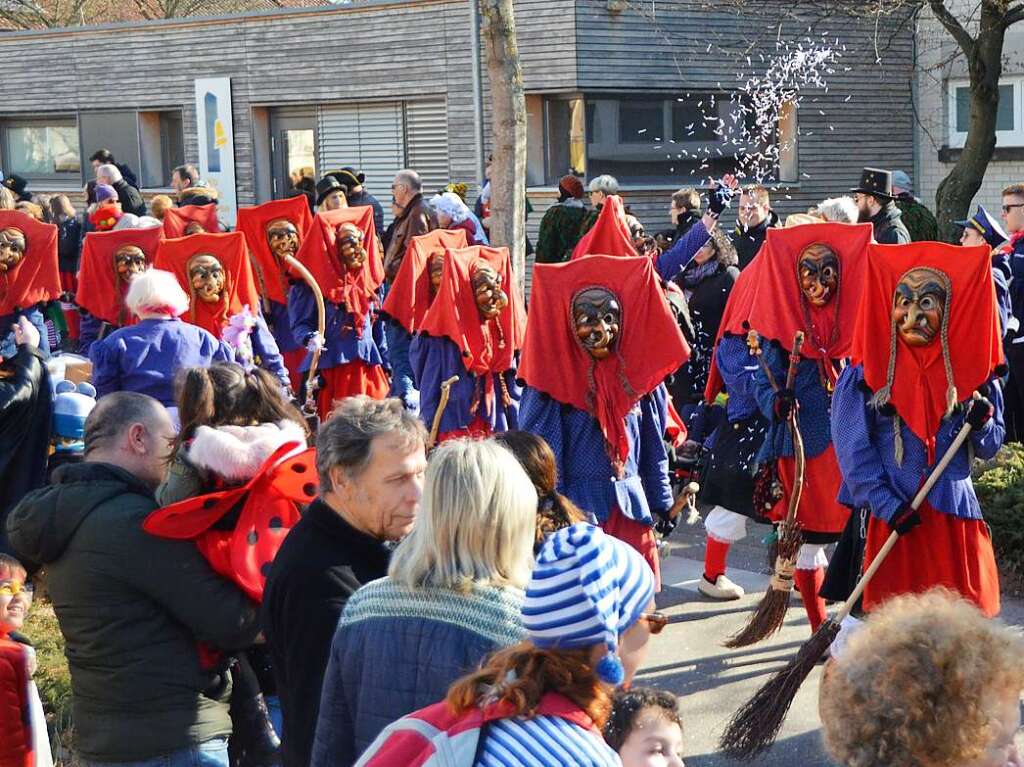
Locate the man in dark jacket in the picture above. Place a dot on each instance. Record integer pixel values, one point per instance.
(753, 220)
(106, 157)
(415, 219)
(877, 206)
(684, 211)
(130, 197)
(132, 606)
(370, 458)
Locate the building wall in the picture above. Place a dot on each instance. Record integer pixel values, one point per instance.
(939, 60)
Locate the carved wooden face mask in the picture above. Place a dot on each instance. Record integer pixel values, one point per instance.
(128, 262)
(351, 252)
(207, 277)
(818, 269)
(919, 306)
(435, 266)
(12, 248)
(490, 298)
(283, 238)
(598, 317)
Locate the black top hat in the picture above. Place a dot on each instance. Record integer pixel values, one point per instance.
(347, 179)
(877, 182)
(325, 186)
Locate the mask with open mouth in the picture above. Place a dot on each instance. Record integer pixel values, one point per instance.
(351, 252)
(207, 277)
(597, 315)
(818, 270)
(283, 238)
(129, 261)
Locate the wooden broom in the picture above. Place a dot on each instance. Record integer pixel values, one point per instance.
(770, 614)
(435, 427)
(309, 408)
(755, 726)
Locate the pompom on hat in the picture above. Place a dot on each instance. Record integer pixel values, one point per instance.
(587, 588)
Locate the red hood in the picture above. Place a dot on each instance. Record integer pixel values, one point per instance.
(975, 348)
(410, 296)
(781, 310)
(36, 278)
(609, 235)
(252, 222)
(649, 348)
(356, 290)
(487, 346)
(100, 291)
(228, 248)
(176, 219)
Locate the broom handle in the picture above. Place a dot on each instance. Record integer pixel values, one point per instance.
(755, 349)
(794, 359)
(800, 464)
(926, 488)
(435, 427)
(321, 327)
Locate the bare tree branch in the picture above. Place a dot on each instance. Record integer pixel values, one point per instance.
(953, 26)
(1013, 15)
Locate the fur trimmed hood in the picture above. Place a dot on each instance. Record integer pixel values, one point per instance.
(237, 452)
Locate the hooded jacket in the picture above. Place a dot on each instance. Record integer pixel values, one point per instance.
(749, 241)
(131, 607)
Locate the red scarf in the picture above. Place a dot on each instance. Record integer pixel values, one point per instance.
(228, 248)
(176, 219)
(411, 293)
(100, 291)
(36, 278)
(253, 221)
(319, 253)
(975, 347)
(487, 346)
(735, 320)
(650, 345)
(610, 234)
(781, 309)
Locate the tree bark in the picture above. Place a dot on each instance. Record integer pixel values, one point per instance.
(984, 61)
(508, 129)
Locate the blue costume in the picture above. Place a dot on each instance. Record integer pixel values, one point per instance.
(341, 342)
(146, 356)
(34, 315)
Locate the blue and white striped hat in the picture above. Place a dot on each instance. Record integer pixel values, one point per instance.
(586, 589)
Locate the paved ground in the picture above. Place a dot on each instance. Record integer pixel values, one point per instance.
(688, 657)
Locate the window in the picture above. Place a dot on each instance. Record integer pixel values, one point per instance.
(654, 138)
(151, 142)
(43, 150)
(1009, 116)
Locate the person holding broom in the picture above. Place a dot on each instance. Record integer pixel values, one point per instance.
(926, 358)
(811, 278)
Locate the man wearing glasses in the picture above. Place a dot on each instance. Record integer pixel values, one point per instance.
(1013, 216)
(876, 206)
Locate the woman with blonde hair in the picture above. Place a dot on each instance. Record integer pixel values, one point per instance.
(927, 681)
(452, 596)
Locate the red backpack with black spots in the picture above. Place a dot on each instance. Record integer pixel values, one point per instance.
(239, 530)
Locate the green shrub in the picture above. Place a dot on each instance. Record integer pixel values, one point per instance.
(1000, 487)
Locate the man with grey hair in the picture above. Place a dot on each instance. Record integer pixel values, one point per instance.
(131, 605)
(371, 460)
(600, 189)
(130, 197)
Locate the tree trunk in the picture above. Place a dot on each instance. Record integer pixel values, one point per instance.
(984, 60)
(508, 108)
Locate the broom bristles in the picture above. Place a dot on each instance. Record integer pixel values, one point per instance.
(755, 726)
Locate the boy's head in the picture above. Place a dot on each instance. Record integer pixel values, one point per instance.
(646, 729)
(15, 598)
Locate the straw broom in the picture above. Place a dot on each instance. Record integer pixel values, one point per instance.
(755, 726)
(770, 614)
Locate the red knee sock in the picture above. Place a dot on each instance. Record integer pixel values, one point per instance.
(808, 583)
(714, 559)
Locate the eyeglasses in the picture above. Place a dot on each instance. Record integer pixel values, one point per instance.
(1008, 208)
(13, 588)
(749, 208)
(655, 621)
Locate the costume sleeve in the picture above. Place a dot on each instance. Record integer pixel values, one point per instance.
(106, 365)
(541, 415)
(548, 237)
(22, 388)
(400, 353)
(853, 426)
(35, 316)
(89, 331)
(763, 391)
(1003, 304)
(332, 745)
(737, 366)
(653, 453)
(424, 370)
(175, 575)
(672, 261)
(265, 347)
(433, 361)
(222, 352)
(302, 312)
(987, 440)
(1017, 284)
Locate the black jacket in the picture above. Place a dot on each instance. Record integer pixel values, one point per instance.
(364, 198)
(131, 607)
(889, 228)
(687, 219)
(321, 563)
(748, 241)
(25, 411)
(130, 197)
(69, 244)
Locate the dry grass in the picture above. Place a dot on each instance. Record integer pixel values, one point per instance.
(52, 677)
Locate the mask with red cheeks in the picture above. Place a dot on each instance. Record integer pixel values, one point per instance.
(129, 261)
(349, 243)
(207, 277)
(283, 238)
(818, 270)
(597, 315)
(12, 248)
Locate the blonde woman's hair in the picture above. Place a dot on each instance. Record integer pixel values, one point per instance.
(6, 198)
(476, 524)
(156, 292)
(919, 684)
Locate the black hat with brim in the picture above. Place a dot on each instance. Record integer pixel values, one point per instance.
(326, 186)
(877, 182)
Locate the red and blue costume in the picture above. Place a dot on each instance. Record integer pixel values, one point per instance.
(34, 281)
